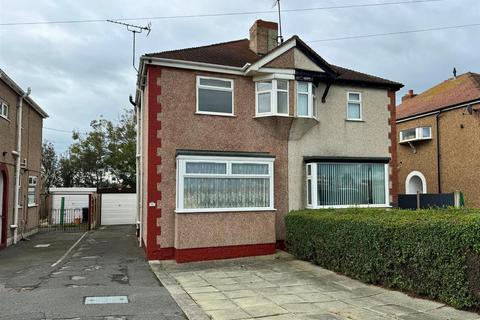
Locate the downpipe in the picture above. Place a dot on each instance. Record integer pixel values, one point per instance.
(18, 154)
(138, 160)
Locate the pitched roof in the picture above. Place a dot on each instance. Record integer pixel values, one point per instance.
(237, 54)
(233, 53)
(464, 88)
(15, 87)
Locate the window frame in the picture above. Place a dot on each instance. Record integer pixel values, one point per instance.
(4, 106)
(314, 178)
(202, 86)
(32, 184)
(273, 98)
(359, 101)
(181, 175)
(311, 100)
(418, 134)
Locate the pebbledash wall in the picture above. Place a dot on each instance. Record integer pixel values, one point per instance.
(334, 136)
(172, 125)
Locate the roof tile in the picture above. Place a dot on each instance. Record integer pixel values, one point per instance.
(450, 92)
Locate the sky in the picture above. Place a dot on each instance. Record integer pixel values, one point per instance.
(79, 72)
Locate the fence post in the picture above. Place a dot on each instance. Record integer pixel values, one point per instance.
(459, 201)
(418, 200)
(62, 210)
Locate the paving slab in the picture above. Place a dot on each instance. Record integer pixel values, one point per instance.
(280, 287)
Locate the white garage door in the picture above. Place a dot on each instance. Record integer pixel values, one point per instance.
(118, 208)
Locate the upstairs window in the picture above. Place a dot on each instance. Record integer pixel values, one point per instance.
(415, 134)
(354, 106)
(272, 97)
(306, 100)
(214, 96)
(3, 110)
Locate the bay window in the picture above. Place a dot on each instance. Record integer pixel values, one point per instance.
(343, 184)
(272, 97)
(214, 96)
(209, 184)
(306, 100)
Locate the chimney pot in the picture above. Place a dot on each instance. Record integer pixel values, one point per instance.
(263, 36)
(409, 95)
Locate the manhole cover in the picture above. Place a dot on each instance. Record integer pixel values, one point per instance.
(106, 300)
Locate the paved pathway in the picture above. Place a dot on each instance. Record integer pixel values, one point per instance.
(106, 262)
(281, 287)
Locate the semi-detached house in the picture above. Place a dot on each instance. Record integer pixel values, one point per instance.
(235, 135)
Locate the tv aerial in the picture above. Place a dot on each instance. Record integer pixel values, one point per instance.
(134, 29)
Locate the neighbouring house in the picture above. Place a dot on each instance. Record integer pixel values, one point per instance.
(234, 135)
(21, 122)
(439, 132)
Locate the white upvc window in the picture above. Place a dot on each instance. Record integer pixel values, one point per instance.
(342, 185)
(354, 106)
(215, 96)
(32, 191)
(271, 97)
(3, 110)
(306, 100)
(224, 184)
(415, 134)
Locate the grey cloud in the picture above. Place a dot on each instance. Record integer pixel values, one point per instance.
(81, 71)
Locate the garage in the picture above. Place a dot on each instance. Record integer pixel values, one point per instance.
(118, 208)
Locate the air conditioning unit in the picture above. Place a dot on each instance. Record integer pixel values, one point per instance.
(23, 164)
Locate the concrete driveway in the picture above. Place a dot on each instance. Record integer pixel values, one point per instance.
(283, 288)
(105, 262)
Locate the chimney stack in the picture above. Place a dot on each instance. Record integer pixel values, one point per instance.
(409, 95)
(263, 36)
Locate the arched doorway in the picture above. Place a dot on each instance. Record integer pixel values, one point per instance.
(415, 183)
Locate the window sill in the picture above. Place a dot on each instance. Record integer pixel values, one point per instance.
(32, 205)
(5, 118)
(259, 116)
(220, 210)
(215, 114)
(351, 206)
(354, 120)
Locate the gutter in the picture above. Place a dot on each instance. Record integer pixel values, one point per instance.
(18, 154)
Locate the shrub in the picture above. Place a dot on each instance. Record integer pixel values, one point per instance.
(433, 253)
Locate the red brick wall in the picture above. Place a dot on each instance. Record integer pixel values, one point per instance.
(393, 147)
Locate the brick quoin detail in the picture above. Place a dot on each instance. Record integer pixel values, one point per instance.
(152, 248)
(392, 135)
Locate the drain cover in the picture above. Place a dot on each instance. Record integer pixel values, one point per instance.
(106, 300)
(42, 246)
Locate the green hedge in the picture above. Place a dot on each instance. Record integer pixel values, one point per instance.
(432, 253)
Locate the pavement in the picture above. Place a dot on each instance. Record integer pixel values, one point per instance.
(105, 262)
(281, 287)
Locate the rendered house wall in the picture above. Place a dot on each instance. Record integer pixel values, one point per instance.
(335, 137)
(176, 126)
